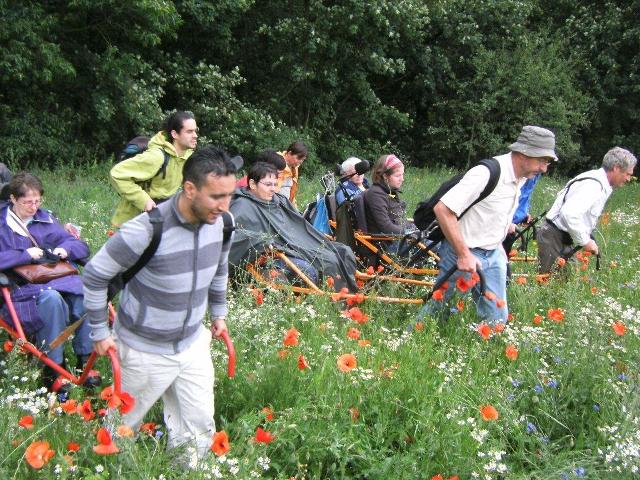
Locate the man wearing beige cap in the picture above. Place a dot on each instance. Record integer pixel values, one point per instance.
(474, 241)
(577, 207)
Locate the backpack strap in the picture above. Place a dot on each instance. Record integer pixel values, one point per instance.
(494, 175)
(227, 229)
(566, 192)
(156, 220)
(165, 162)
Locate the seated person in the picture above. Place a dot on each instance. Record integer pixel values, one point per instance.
(44, 309)
(265, 218)
(354, 185)
(386, 213)
(268, 156)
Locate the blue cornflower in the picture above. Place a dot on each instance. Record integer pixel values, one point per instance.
(538, 389)
(564, 476)
(531, 428)
(558, 360)
(580, 472)
(536, 349)
(511, 397)
(454, 310)
(622, 377)
(159, 433)
(515, 383)
(596, 407)
(552, 384)
(544, 439)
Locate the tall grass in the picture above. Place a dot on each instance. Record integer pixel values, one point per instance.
(567, 405)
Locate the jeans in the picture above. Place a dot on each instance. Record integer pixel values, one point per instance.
(305, 267)
(58, 310)
(494, 267)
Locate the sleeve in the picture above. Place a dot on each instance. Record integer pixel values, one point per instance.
(467, 190)
(57, 236)
(379, 209)
(582, 197)
(127, 175)
(12, 257)
(116, 256)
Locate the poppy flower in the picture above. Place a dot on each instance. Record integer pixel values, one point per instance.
(110, 233)
(437, 477)
(336, 297)
(73, 447)
(561, 262)
(419, 326)
(355, 314)
(490, 296)
(594, 290)
(511, 352)
(262, 436)
(463, 284)
(484, 330)
(360, 283)
(521, 280)
(475, 278)
(26, 422)
(105, 443)
(370, 270)
(460, 305)
(258, 295)
(149, 428)
(542, 278)
(273, 274)
(85, 411)
(38, 454)
(291, 337)
(619, 328)
(70, 406)
(347, 362)
(283, 353)
(124, 431)
(512, 253)
(268, 414)
(500, 303)
(124, 402)
(220, 443)
(438, 295)
(353, 333)
(556, 314)
(537, 319)
(489, 413)
(499, 328)
(510, 317)
(302, 362)
(380, 268)
(364, 343)
(355, 414)
(7, 346)
(330, 282)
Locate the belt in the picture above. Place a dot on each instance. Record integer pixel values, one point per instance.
(566, 238)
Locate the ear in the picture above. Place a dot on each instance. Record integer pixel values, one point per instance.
(189, 189)
(174, 134)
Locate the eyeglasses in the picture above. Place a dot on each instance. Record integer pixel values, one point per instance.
(269, 184)
(30, 203)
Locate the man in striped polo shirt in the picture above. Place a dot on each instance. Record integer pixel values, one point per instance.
(163, 346)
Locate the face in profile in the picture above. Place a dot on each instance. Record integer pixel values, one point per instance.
(188, 136)
(395, 178)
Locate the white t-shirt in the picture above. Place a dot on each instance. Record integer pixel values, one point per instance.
(486, 224)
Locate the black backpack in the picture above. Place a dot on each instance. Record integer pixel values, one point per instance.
(155, 218)
(138, 145)
(425, 218)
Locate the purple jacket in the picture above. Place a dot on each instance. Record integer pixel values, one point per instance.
(13, 251)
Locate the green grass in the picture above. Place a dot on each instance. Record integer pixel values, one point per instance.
(568, 406)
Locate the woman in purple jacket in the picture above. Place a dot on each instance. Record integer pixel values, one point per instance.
(44, 309)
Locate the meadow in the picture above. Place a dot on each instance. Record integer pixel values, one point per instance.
(552, 396)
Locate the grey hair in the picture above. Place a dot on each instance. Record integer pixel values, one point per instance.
(619, 157)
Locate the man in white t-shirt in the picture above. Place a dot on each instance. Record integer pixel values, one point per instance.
(578, 206)
(474, 241)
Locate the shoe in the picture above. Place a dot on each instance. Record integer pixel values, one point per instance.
(93, 380)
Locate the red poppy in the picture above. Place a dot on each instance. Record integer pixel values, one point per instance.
(510, 317)
(283, 353)
(336, 297)
(124, 431)
(73, 447)
(26, 422)
(556, 314)
(220, 443)
(105, 443)
(619, 328)
(149, 428)
(437, 477)
(511, 352)
(38, 454)
(537, 319)
(370, 270)
(302, 362)
(359, 283)
(489, 296)
(355, 414)
(70, 406)
(291, 337)
(380, 268)
(124, 402)
(594, 290)
(542, 278)
(419, 326)
(463, 284)
(268, 414)
(561, 262)
(262, 436)
(512, 253)
(521, 280)
(460, 305)
(364, 343)
(500, 303)
(258, 295)
(330, 282)
(484, 330)
(353, 333)
(475, 278)
(273, 274)
(347, 362)
(438, 295)
(489, 413)
(110, 233)
(86, 411)
(499, 328)
(356, 315)
(7, 346)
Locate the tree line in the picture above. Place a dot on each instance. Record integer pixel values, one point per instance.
(434, 81)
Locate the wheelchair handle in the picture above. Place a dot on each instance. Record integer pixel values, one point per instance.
(451, 271)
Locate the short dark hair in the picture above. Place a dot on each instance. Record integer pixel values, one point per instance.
(175, 121)
(298, 148)
(205, 161)
(260, 170)
(22, 182)
(272, 157)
